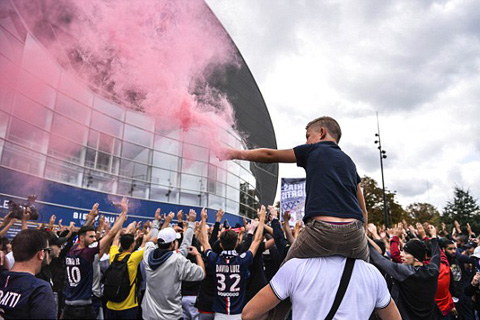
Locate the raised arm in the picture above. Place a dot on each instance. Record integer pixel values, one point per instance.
(7, 227)
(188, 236)
(203, 232)
(286, 227)
(259, 232)
(107, 239)
(92, 215)
(398, 271)
(116, 240)
(395, 243)
(216, 227)
(268, 229)
(278, 235)
(168, 219)
(155, 226)
(435, 259)
(261, 155)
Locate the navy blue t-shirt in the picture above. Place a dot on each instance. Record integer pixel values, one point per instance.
(79, 263)
(231, 272)
(331, 181)
(22, 296)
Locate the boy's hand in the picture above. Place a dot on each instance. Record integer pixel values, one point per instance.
(225, 154)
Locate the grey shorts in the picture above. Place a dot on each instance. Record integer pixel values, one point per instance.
(323, 239)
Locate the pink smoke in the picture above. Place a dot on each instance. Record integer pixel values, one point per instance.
(154, 56)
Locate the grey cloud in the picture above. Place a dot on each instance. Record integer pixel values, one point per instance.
(454, 175)
(399, 67)
(409, 187)
(366, 159)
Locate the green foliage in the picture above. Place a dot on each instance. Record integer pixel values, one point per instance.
(463, 208)
(424, 212)
(374, 203)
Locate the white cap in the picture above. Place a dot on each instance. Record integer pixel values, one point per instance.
(476, 252)
(167, 235)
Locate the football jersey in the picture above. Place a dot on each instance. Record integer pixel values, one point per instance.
(231, 274)
(22, 296)
(79, 263)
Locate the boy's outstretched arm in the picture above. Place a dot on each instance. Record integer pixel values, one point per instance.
(260, 155)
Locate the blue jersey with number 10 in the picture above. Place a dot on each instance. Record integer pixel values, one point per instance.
(231, 272)
(79, 264)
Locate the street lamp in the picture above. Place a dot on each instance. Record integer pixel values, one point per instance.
(383, 155)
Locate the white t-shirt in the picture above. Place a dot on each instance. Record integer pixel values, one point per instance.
(312, 285)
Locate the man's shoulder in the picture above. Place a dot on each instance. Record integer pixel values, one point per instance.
(27, 281)
(247, 254)
(334, 264)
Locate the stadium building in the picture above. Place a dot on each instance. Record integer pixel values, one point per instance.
(130, 157)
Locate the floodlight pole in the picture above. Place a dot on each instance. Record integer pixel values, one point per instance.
(382, 156)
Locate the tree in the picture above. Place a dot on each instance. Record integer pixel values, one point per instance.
(374, 202)
(423, 212)
(463, 208)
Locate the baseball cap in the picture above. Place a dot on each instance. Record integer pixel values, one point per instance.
(476, 253)
(57, 241)
(469, 245)
(167, 235)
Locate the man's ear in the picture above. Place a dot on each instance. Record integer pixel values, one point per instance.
(323, 133)
(41, 255)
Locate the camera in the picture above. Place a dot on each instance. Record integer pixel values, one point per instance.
(16, 210)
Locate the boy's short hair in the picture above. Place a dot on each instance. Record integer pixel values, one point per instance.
(328, 122)
(126, 241)
(228, 239)
(83, 230)
(27, 243)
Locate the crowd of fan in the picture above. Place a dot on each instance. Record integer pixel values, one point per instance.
(173, 267)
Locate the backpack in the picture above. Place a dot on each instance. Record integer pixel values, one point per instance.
(116, 280)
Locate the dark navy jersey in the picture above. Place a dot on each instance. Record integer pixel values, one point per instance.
(79, 278)
(231, 273)
(331, 181)
(22, 296)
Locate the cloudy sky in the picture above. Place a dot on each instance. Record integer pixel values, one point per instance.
(415, 62)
